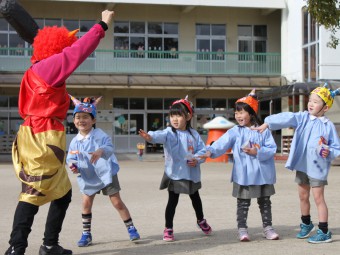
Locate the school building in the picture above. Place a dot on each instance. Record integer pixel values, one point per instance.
(155, 52)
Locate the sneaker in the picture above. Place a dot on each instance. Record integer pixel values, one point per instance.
(305, 230)
(270, 233)
(54, 250)
(204, 226)
(85, 240)
(321, 237)
(168, 235)
(243, 234)
(133, 233)
(11, 251)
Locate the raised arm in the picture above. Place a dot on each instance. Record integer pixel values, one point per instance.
(57, 68)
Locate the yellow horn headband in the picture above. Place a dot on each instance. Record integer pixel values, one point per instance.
(326, 94)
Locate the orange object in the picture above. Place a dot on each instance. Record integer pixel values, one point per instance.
(213, 135)
(217, 127)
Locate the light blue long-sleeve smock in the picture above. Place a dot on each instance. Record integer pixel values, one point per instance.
(309, 129)
(248, 169)
(93, 177)
(176, 148)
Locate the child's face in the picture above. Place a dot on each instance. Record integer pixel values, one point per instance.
(316, 106)
(83, 122)
(243, 118)
(179, 121)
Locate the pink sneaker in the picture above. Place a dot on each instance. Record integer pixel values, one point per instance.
(243, 234)
(204, 226)
(168, 235)
(270, 233)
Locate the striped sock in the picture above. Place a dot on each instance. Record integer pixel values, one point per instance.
(86, 219)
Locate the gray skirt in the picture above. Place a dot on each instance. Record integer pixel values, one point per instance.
(179, 186)
(253, 191)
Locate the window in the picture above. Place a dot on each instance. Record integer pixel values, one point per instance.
(310, 48)
(120, 103)
(211, 41)
(128, 103)
(10, 119)
(157, 38)
(155, 103)
(10, 42)
(252, 39)
(211, 104)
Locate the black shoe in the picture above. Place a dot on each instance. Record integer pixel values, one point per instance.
(12, 251)
(55, 250)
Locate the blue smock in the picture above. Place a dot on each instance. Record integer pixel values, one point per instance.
(93, 177)
(248, 169)
(309, 130)
(178, 146)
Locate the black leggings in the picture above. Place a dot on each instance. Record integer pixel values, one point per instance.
(24, 217)
(172, 204)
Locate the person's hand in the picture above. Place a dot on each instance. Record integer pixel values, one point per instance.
(144, 135)
(107, 16)
(325, 153)
(73, 167)
(192, 162)
(261, 128)
(96, 155)
(250, 151)
(206, 155)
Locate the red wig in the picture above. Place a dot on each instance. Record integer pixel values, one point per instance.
(50, 41)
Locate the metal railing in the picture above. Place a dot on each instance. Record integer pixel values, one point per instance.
(159, 62)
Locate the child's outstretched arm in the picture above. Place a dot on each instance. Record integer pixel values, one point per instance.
(144, 135)
(205, 155)
(261, 128)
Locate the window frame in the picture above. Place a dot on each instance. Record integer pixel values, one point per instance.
(144, 43)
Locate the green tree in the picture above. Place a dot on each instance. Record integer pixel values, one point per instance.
(326, 13)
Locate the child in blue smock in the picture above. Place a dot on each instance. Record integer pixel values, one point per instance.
(253, 173)
(182, 146)
(315, 144)
(91, 156)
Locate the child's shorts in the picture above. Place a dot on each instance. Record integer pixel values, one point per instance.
(112, 188)
(302, 178)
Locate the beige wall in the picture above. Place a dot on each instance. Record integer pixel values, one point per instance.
(212, 15)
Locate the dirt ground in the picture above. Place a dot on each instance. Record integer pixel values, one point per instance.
(140, 182)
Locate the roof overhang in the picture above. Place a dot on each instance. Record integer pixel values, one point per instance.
(287, 90)
(262, 4)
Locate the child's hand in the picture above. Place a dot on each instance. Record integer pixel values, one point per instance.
(325, 153)
(96, 155)
(144, 135)
(261, 128)
(73, 167)
(250, 151)
(206, 155)
(192, 163)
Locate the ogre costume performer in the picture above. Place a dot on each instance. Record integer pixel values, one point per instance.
(39, 149)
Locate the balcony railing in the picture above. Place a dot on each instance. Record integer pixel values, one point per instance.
(159, 62)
